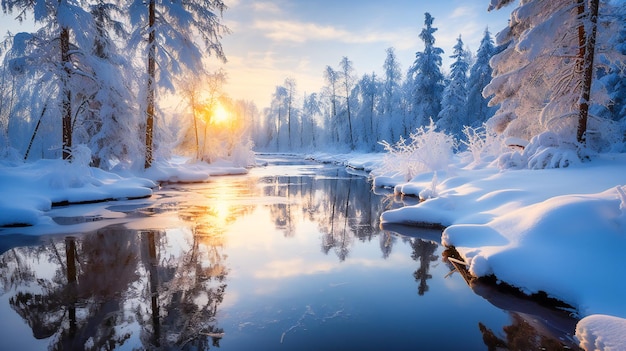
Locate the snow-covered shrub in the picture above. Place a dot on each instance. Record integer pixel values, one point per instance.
(427, 150)
(430, 193)
(545, 150)
(81, 155)
(482, 143)
(243, 154)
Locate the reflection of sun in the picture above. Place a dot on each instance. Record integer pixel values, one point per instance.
(220, 115)
(222, 212)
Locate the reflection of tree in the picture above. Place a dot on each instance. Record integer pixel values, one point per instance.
(386, 241)
(423, 252)
(184, 291)
(521, 335)
(288, 188)
(80, 304)
(342, 205)
(105, 282)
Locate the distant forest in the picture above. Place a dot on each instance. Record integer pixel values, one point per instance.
(92, 80)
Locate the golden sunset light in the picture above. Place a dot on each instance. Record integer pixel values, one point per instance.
(220, 115)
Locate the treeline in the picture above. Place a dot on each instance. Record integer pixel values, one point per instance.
(530, 82)
(96, 73)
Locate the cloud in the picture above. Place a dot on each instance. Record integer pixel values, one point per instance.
(302, 32)
(266, 7)
(463, 12)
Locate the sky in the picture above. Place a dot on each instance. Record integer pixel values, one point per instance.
(275, 39)
(272, 40)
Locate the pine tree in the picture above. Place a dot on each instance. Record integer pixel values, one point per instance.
(453, 115)
(478, 109)
(110, 127)
(426, 77)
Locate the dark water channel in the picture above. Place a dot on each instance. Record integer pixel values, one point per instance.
(289, 257)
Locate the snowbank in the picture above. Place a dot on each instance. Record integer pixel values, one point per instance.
(599, 332)
(356, 160)
(561, 231)
(29, 190)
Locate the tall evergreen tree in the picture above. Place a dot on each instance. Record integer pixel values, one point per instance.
(110, 127)
(453, 115)
(426, 78)
(478, 109)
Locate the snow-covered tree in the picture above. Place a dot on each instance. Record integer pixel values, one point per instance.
(392, 124)
(331, 90)
(368, 91)
(426, 77)
(453, 115)
(176, 35)
(311, 117)
(276, 115)
(346, 70)
(202, 92)
(74, 61)
(292, 113)
(44, 57)
(543, 77)
(111, 128)
(478, 109)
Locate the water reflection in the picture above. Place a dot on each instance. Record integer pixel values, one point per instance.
(116, 286)
(198, 268)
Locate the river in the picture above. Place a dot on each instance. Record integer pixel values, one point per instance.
(288, 257)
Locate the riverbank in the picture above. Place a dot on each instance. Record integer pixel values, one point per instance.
(555, 231)
(30, 190)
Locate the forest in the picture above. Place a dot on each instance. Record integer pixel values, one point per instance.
(537, 79)
(102, 75)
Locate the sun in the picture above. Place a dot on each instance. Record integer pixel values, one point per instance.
(220, 115)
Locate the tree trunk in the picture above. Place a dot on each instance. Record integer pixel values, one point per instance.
(349, 117)
(587, 42)
(289, 120)
(195, 122)
(67, 94)
(151, 85)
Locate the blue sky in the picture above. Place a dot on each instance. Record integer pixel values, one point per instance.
(275, 39)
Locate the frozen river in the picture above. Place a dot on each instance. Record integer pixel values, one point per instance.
(288, 257)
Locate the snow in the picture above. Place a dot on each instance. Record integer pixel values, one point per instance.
(30, 190)
(601, 332)
(559, 231)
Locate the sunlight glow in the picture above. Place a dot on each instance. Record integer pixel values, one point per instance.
(220, 114)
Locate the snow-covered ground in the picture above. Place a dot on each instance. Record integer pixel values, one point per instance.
(29, 190)
(561, 231)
